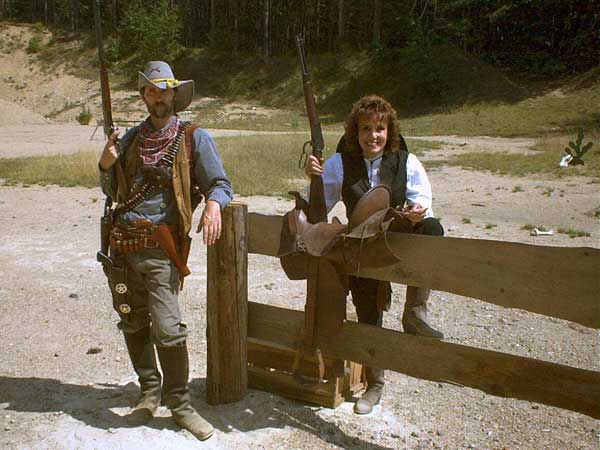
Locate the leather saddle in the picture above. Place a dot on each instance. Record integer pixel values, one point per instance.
(341, 244)
(324, 253)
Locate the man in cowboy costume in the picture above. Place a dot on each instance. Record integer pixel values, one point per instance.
(157, 173)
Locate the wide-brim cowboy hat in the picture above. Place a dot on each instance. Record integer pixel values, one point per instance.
(160, 75)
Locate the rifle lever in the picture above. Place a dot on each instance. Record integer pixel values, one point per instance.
(304, 155)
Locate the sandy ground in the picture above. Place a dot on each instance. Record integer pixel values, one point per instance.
(54, 307)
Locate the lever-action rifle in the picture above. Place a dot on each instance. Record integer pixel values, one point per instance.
(104, 85)
(106, 219)
(317, 210)
(114, 267)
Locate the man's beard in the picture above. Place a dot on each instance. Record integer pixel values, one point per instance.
(161, 110)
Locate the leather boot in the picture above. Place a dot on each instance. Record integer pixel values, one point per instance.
(175, 366)
(414, 319)
(372, 396)
(143, 358)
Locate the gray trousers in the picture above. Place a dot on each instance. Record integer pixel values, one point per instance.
(371, 297)
(153, 294)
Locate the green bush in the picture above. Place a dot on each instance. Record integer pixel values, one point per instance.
(85, 116)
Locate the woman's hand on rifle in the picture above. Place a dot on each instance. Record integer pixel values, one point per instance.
(110, 154)
(314, 166)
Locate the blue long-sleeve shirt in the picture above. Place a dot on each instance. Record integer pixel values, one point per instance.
(160, 206)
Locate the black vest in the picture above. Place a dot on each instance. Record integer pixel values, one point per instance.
(392, 173)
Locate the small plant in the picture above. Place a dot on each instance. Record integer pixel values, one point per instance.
(489, 226)
(466, 220)
(576, 150)
(517, 189)
(85, 116)
(548, 191)
(530, 227)
(573, 233)
(35, 44)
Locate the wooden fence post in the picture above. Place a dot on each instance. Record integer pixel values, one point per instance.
(227, 309)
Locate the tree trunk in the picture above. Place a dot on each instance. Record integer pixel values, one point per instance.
(377, 24)
(236, 22)
(266, 35)
(341, 24)
(318, 27)
(114, 14)
(213, 16)
(74, 14)
(330, 27)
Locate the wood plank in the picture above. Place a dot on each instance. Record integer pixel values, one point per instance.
(264, 232)
(492, 372)
(281, 326)
(227, 310)
(263, 355)
(561, 282)
(270, 355)
(283, 384)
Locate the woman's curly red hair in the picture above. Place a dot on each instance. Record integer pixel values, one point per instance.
(378, 107)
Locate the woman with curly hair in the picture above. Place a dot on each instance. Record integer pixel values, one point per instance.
(371, 152)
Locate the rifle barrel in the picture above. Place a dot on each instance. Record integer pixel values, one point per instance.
(104, 84)
(317, 211)
(316, 133)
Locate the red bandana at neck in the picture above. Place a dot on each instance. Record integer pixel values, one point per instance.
(154, 144)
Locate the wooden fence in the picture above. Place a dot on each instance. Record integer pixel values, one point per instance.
(560, 282)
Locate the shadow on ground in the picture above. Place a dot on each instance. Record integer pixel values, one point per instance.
(94, 404)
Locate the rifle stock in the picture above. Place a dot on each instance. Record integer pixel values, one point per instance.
(317, 210)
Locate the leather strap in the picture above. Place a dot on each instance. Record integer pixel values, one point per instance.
(148, 187)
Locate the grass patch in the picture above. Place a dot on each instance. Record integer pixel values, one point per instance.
(548, 153)
(35, 44)
(517, 189)
(268, 165)
(466, 220)
(535, 116)
(489, 226)
(77, 169)
(530, 227)
(419, 147)
(573, 233)
(256, 165)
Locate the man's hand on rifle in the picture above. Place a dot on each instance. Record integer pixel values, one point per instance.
(111, 151)
(210, 222)
(314, 166)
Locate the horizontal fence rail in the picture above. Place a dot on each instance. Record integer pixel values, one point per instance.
(560, 282)
(493, 372)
